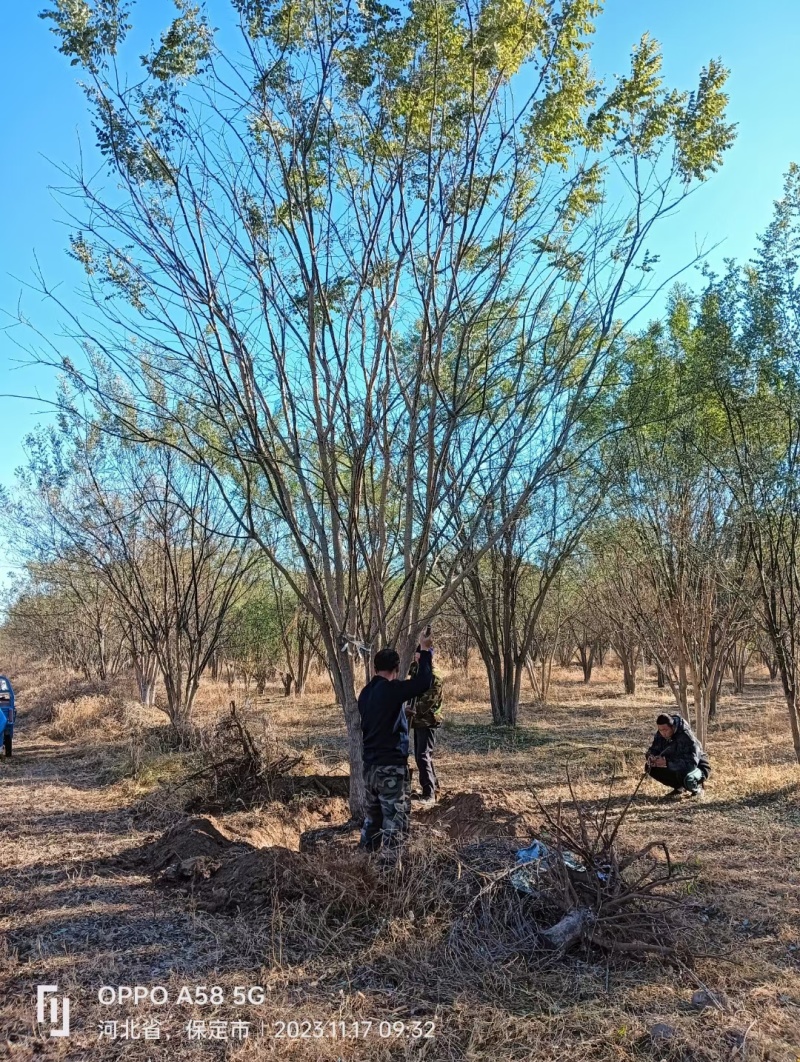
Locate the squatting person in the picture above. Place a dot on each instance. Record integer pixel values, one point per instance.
(676, 758)
(425, 717)
(384, 729)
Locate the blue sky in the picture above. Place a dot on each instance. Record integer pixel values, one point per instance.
(45, 126)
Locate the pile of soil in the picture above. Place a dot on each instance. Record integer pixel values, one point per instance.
(268, 877)
(470, 817)
(312, 825)
(202, 835)
(193, 848)
(302, 858)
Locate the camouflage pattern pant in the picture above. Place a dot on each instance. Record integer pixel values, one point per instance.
(388, 806)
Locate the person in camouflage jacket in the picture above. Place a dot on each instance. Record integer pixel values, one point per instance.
(425, 717)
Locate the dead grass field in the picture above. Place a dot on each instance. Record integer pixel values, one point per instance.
(88, 897)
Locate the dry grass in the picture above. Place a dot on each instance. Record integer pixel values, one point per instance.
(87, 715)
(331, 938)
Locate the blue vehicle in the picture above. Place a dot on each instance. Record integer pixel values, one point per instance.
(7, 713)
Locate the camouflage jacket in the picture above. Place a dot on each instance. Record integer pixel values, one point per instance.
(427, 708)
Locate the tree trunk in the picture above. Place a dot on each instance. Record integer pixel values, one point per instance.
(701, 711)
(716, 688)
(144, 671)
(504, 691)
(587, 655)
(660, 679)
(738, 672)
(683, 688)
(793, 705)
(788, 672)
(341, 669)
(546, 674)
(102, 664)
(565, 655)
(629, 672)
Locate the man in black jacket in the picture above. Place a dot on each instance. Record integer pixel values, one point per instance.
(384, 728)
(676, 758)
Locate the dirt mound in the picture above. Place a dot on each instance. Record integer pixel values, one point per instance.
(196, 847)
(192, 848)
(277, 876)
(469, 817)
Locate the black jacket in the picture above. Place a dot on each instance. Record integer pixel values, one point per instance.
(683, 752)
(383, 722)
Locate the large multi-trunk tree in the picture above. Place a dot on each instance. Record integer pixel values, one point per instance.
(502, 596)
(677, 565)
(355, 257)
(748, 329)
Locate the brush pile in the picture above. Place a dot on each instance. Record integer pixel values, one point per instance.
(581, 887)
(615, 899)
(246, 774)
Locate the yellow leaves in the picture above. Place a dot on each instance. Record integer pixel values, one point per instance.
(291, 21)
(435, 84)
(638, 112)
(82, 251)
(641, 116)
(584, 196)
(185, 46)
(508, 32)
(640, 89)
(702, 134)
(558, 121)
(89, 32)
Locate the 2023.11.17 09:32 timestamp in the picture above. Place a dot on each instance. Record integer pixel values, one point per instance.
(300, 1029)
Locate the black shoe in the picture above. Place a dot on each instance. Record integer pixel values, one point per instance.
(676, 794)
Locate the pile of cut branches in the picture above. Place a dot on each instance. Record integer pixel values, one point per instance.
(246, 773)
(619, 900)
(586, 888)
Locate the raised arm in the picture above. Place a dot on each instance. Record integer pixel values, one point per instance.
(406, 689)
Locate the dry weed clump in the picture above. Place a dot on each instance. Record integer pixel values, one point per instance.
(87, 714)
(44, 691)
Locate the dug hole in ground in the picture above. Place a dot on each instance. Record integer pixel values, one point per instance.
(125, 860)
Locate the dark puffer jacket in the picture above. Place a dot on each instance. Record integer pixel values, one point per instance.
(683, 752)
